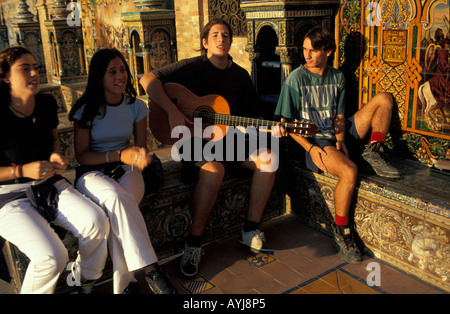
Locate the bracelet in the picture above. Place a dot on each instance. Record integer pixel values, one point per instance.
(309, 151)
(20, 171)
(120, 155)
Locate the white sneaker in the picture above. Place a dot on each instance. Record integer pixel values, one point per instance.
(255, 240)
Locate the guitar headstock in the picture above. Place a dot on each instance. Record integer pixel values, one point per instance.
(303, 128)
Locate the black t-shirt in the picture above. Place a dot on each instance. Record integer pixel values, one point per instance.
(200, 76)
(24, 140)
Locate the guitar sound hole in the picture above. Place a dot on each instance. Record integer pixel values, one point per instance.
(206, 113)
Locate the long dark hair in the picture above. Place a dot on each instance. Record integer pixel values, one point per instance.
(94, 96)
(205, 32)
(7, 58)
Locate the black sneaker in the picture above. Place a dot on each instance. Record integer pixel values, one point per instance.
(87, 287)
(345, 244)
(159, 283)
(190, 260)
(373, 154)
(132, 288)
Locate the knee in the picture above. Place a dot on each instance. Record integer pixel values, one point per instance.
(386, 100)
(349, 173)
(96, 225)
(267, 162)
(52, 263)
(212, 174)
(353, 173)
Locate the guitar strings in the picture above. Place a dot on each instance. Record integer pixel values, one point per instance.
(302, 127)
(222, 117)
(230, 119)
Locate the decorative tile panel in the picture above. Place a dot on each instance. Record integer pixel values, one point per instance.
(406, 222)
(406, 48)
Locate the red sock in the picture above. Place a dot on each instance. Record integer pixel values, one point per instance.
(341, 220)
(377, 137)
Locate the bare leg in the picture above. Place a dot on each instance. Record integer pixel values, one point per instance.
(210, 179)
(205, 195)
(341, 166)
(262, 184)
(375, 116)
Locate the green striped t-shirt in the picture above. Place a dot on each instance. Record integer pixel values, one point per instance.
(313, 97)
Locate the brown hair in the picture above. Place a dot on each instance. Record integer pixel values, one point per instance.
(205, 32)
(321, 38)
(7, 58)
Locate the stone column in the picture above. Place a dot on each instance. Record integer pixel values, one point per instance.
(286, 55)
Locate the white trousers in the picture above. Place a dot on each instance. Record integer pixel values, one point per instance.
(129, 243)
(22, 225)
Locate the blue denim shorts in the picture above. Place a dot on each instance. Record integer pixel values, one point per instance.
(350, 135)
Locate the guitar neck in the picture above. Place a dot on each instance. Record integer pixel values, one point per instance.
(225, 119)
(214, 110)
(297, 127)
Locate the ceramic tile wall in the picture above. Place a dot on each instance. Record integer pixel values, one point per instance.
(401, 47)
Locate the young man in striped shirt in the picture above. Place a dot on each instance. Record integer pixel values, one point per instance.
(316, 92)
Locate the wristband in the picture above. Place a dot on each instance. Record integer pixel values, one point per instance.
(19, 172)
(309, 151)
(120, 155)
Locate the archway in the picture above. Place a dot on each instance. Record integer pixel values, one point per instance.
(268, 80)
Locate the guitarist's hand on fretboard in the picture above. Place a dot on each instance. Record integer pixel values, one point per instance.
(211, 110)
(279, 129)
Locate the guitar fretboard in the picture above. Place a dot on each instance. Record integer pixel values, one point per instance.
(225, 119)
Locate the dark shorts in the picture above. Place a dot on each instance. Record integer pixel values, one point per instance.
(190, 169)
(352, 142)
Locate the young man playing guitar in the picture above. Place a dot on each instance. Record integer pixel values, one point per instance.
(214, 72)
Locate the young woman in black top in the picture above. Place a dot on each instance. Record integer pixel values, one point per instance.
(29, 156)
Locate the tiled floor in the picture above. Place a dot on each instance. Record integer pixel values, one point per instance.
(304, 262)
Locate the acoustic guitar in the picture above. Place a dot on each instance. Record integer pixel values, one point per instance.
(213, 110)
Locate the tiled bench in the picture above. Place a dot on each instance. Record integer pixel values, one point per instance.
(167, 213)
(405, 222)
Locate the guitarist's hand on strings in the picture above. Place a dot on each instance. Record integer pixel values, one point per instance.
(177, 118)
(154, 87)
